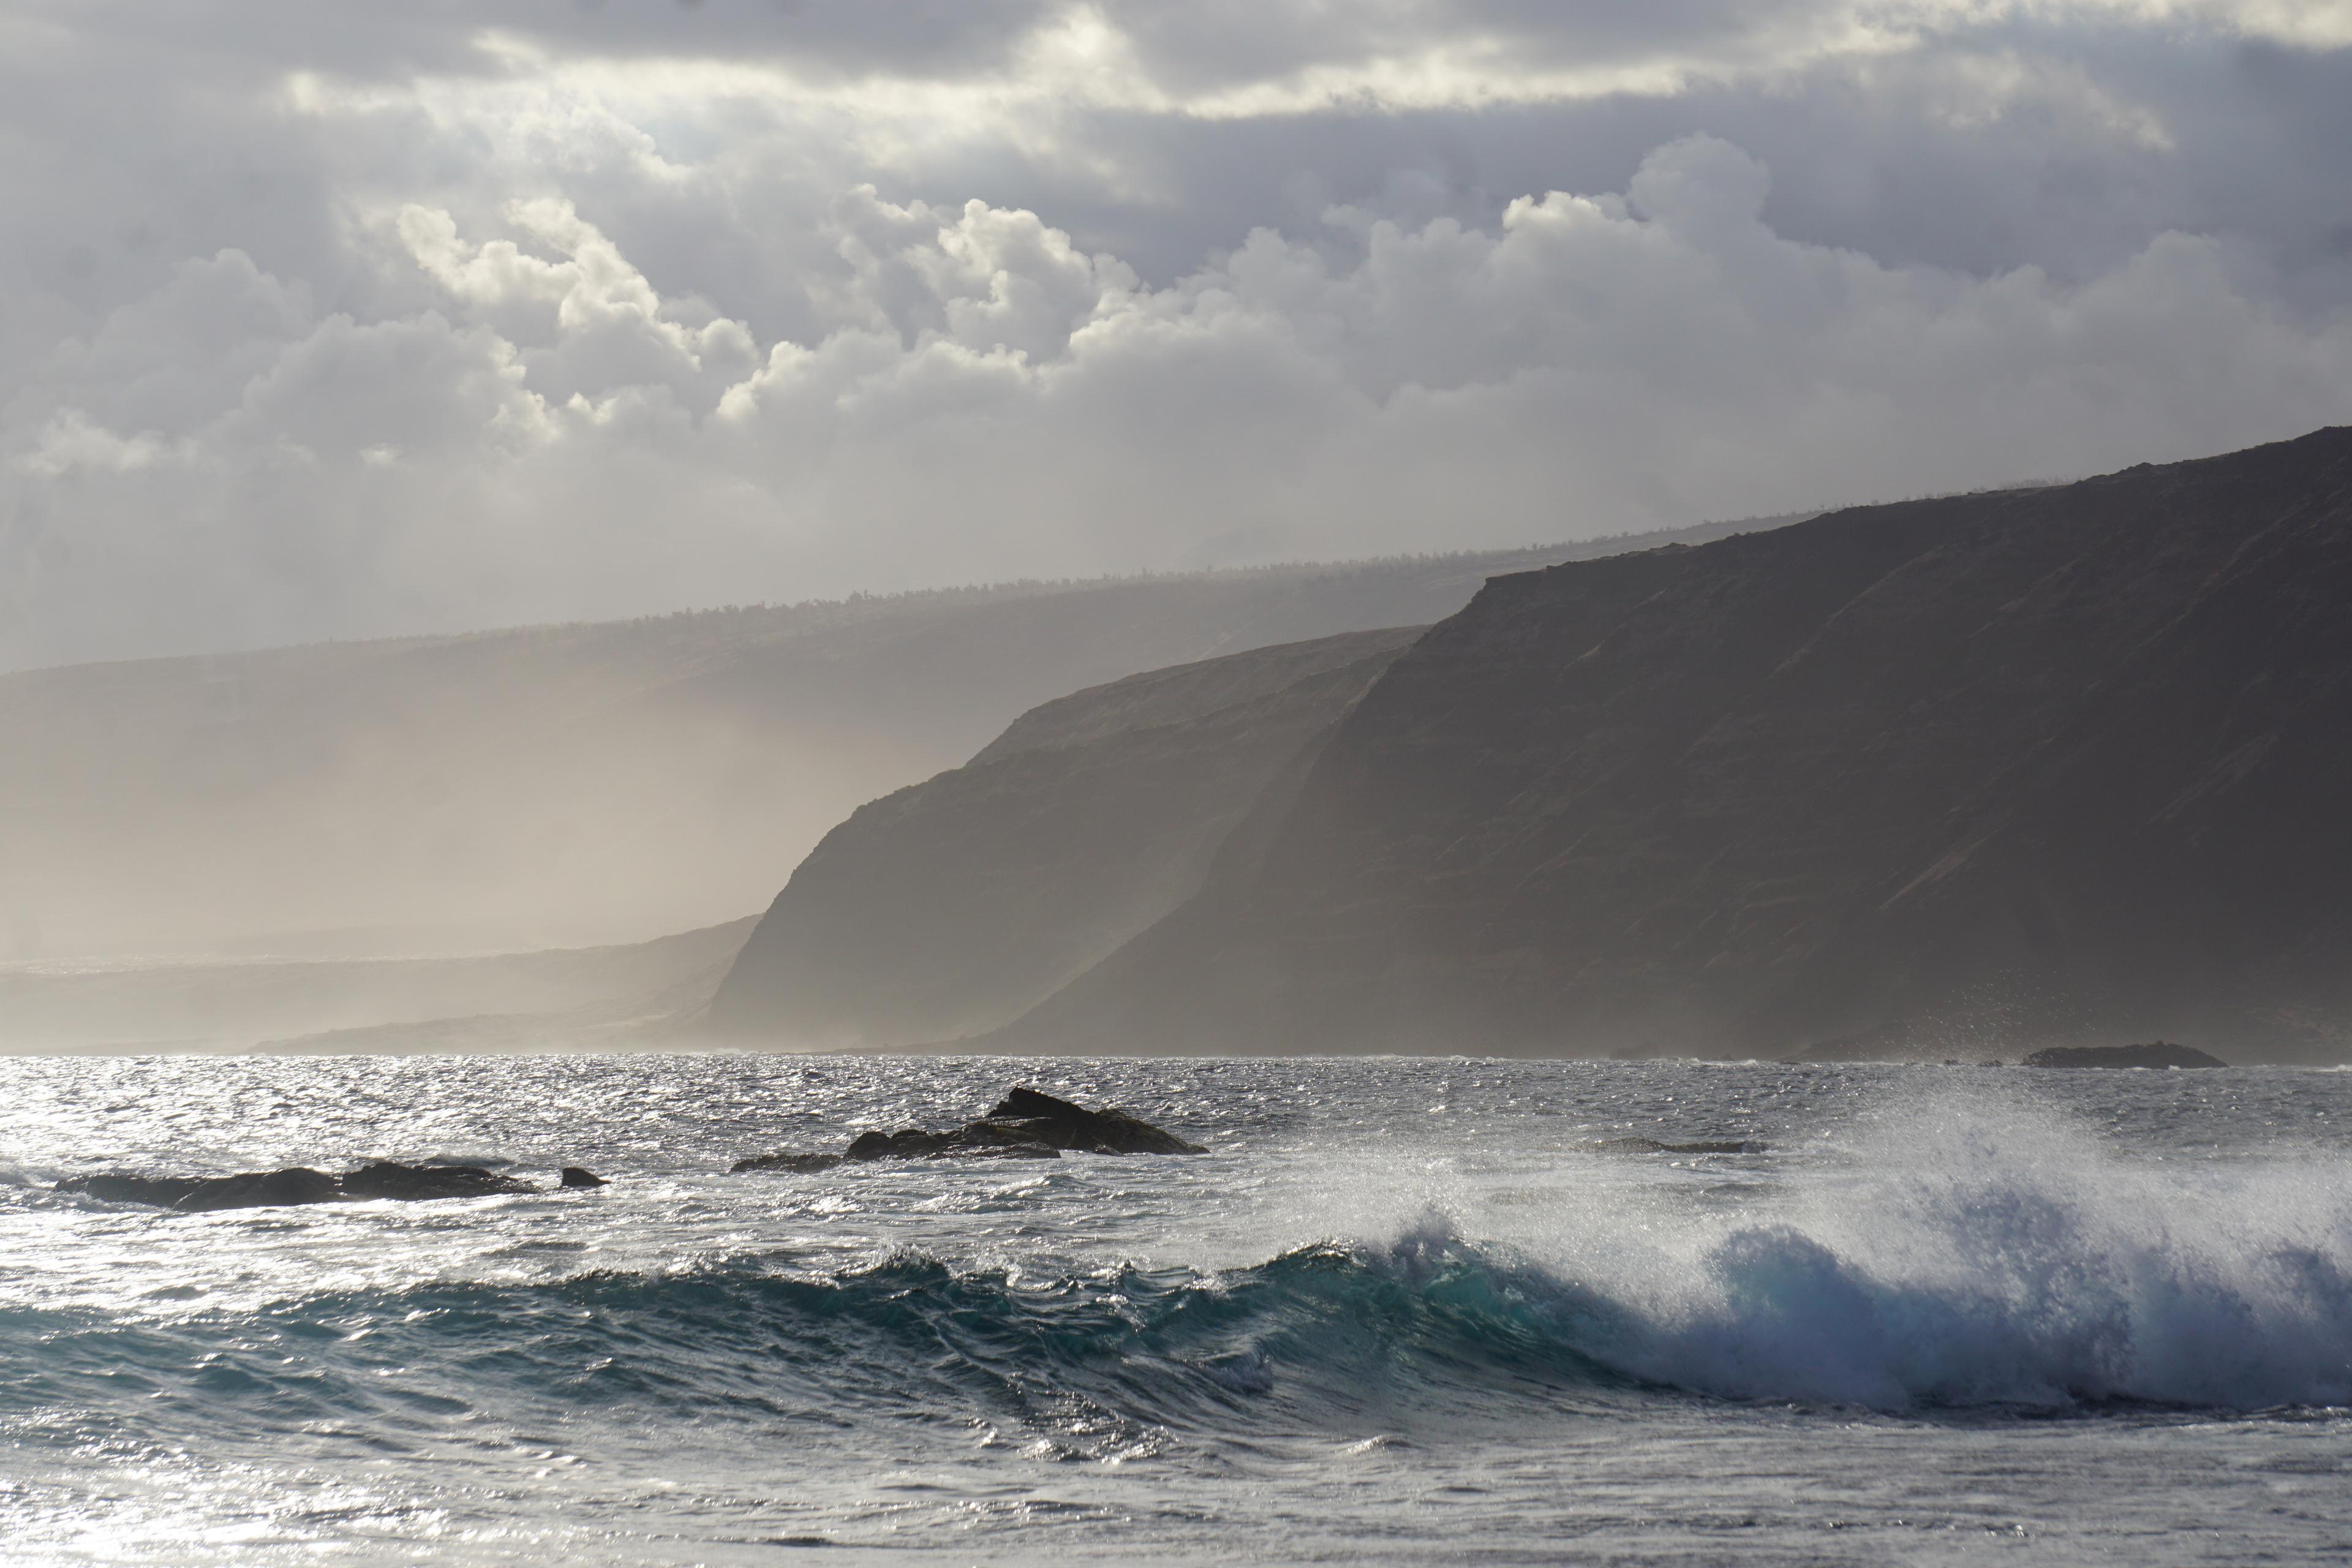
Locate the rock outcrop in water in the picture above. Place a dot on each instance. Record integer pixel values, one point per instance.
(300, 1185)
(1026, 1124)
(2157, 1054)
(954, 905)
(2045, 765)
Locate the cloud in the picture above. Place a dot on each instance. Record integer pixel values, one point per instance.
(550, 436)
(321, 322)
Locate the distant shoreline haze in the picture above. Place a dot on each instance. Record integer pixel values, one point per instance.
(569, 786)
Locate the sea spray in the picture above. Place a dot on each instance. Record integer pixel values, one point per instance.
(1976, 1249)
(1519, 1297)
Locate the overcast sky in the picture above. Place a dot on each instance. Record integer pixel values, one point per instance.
(342, 318)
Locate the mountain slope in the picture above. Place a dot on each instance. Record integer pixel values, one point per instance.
(2045, 765)
(565, 785)
(951, 906)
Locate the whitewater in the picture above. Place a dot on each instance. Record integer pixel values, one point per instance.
(1405, 1310)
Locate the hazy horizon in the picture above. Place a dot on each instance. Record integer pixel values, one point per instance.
(567, 786)
(859, 601)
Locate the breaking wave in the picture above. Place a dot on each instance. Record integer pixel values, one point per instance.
(1427, 1326)
(1963, 1259)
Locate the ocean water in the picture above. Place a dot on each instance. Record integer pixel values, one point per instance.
(1405, 1311)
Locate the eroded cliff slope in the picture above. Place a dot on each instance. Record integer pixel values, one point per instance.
(559, 787)
(951, 906)
(2040, 767)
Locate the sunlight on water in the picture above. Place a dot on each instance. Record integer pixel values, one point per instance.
(1434, 1281)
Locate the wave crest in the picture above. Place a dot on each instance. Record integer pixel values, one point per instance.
(1971, 1263)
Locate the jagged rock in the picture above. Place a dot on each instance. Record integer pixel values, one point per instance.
(2154, 1054)
(297, 1184)
(1027, 1112)
(1024, 1125)
(579, 1177)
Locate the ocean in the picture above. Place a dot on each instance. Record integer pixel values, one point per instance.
(1406, 1310)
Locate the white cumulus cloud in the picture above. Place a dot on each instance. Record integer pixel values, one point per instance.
(547, 435)
(325, 320)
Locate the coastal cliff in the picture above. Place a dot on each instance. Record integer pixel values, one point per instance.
(577, 786)
(2064, 763)
(949, 906)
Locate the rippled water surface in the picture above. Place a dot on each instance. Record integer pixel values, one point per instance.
(1403, 1311)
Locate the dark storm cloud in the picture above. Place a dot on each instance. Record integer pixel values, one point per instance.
(326, 320)
(939, 37)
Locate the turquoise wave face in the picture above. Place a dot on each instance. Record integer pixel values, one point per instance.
(1322, 1336)
(1417, 1309)
(1427, 1335)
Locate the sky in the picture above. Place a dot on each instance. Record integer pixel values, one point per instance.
(344, 320)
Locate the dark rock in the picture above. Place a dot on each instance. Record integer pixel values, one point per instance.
(2156, 1054)
(261, 1189)
(122, 1188)
(1027, 1112)
(973, 1140)
(391, 1179)
(885, 1145)
(201, 1194)
(1024, 1125)
(580, 1176)
(1653, 1146)
(295, 1184)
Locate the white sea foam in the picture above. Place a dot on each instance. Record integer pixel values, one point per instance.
(738, 1359)
(1968, 1252)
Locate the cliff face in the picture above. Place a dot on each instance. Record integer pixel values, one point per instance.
(2058, 765)
(951, 906)
(568, 786)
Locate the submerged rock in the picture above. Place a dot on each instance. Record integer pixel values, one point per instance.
(198, 1195)
(1654, 1146)
(1024, 1125)
(580, 1176)
(976, 1139)
(2154, 1054)
(300, 1185)
(801, 1164)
